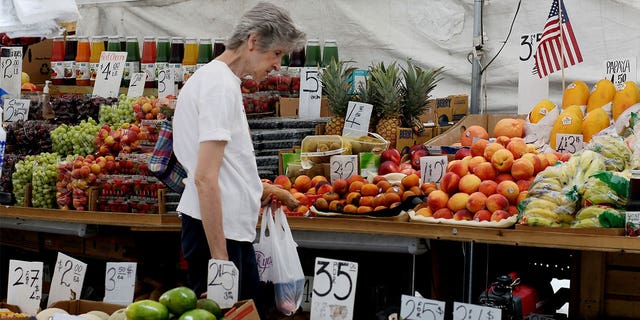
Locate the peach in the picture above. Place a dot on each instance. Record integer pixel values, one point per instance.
(521, 196)
(427, 187)
(491, 149)
(469, 183)
(449, 182)
(497, 202)
(458, 167)
(336, 206)
(482, 215)
(324, 188)
(517, 147)
(551, 158)
(543, 160)
(302, 183)
(355, 186)
(353, 198)
(509, 189)
(379, 208)
(425, 212)
(513, 210)
(407, 194)
(564, 158)
(330, 196)
(522, 169)
(475, 161)
(412, 180)
(531, 148)
(316, 179)
(282, 181)
(302, 209)
(504, 177)
(379, 178)
(302, 198)
(399, 189)
(485, 171)
(311, 191)
(321, 204)
(458, 201)
(416, 190)
(476, 201)
(477, 148)
(463, 214)
(467, 159)
(523, 184)
(502, 160)
(443, 213)
(537, 163)
(488, 187)
(383, 186)
(367, 201)
(437, 199)
(499, 215)
(369, 189)
(350, 209)
(503, 140)
(356, 177)
(341, 186)
(364, 210)
(379, 200)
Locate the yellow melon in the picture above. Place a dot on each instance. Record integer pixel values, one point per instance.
(624, 98)
(602, 93)
(568, 122)
(540, 110)
(577, 110)
(577, 93)
(595, 121)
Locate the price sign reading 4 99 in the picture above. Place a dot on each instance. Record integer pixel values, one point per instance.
(569, 143)
(25, 285)
(222, 282)
(433, 168)
(466, 311)
(414, 308)
(334, 289)
(343, 167)
(68, 277)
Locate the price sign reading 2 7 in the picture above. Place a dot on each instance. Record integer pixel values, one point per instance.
(334, 286)
(433, 168)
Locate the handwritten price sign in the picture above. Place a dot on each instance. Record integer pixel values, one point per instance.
(334, 289)
(620, 70)
(11, 70)
(307, 293)
(109, 74)
(343, 166)
(222, 282)
(16, 110)
(67, 280)
(136, 85)
(356, 122)
(415, 308)
(466, 311)
(310, 93)
(569, 143)
(119, 282)
(433, 168)
(25, 285)
(530, 86)
(166, 83)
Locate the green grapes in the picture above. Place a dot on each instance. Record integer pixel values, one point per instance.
(75, 140)
(116, 115)
(43, 181)
(21, 177)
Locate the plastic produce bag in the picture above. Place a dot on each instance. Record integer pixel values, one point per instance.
(288, 277)
(263, 247)
(604, 187)
(598, 217)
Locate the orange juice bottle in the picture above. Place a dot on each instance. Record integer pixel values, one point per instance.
(190, 58)
(83, 56)
(97, 46)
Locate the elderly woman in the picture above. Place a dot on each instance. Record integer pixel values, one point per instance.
(223, 191)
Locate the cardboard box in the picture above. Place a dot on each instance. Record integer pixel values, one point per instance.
(459, 106)
(429, 115)
(443, 111)
(425, 135)
(37, 61)
(83, 306)
(288, 107)
(404, 138)
(242, 310)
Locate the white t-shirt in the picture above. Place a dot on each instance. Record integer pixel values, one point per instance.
(210, 108)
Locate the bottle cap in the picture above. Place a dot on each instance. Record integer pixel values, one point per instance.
(635, 172)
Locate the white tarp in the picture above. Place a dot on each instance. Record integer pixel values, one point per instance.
(432, 32)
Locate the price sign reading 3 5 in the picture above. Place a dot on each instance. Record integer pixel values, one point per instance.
(415, 308)
(119, 282)
(343, 167)
(68, 277)
(466, 311)
(334, 289)
(222, 282)
(25, 285)
(432, 168)
(569, 143)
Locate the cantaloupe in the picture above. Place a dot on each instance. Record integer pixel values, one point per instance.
(540, 110)
(467, 136)
(568, 122)
(49, 312)
(625, 98)
(595, 121)
(576, 93)
(509, 127)
(602, 93)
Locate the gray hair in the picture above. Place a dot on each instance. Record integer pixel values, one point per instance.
(273, 25)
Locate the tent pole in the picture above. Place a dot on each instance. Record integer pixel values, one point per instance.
(476, 77)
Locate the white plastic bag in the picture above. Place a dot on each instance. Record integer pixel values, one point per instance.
(263, 247)
(288, 277)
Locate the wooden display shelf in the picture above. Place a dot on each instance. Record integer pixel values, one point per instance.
(61, 89)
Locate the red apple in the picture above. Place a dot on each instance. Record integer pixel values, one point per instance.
(388, 167)
(391, 154)
(415, 157)
(461, 153)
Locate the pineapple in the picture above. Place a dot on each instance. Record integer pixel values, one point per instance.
(335, 86)
(384, 91)
(418, 83)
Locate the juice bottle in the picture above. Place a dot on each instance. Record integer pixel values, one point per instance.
(632, 225)
(329, 52)
(190, 58)
(284, 63)
(57, 61)
(132, 64)
(312, 55)
(148, 61)
(83, 55)
(97, 46)
(296, 62)
(163, 52)
(123, 43)
(175, 59)
(113, 44)
(205, 52)
(70, 49)
(218, 47)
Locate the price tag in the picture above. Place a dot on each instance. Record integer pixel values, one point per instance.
(433, 168)
(136, 85)
(466, 311)
(356, 122)
(343, 166)
(620, 70)
(109, 74)
(16, 110)
(307, 293)
(415, 308)
(530, 86)
(222, 282)
(67, 280)
(569, 143)
(11, 70)
(25, 285)
(166, 83)
(310, 93)
(119, 282)
(334, 289)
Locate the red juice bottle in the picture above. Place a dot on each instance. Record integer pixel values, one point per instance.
(148, 61)
(57, 61)
(175, 59)
(70, 49)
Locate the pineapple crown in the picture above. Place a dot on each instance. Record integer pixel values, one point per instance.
(416, 88)
(335, 85)
(383, 90)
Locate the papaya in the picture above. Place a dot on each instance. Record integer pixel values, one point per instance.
(540, 110)
(197, 314)
(147, 310)
(568, 122)
(179, 300)
(576, 93)
(602, 93)
(625, 98)
(595, 121)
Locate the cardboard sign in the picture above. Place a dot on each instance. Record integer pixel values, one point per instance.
(467, 311)
(531, 89)
(15, 110)
(416, 308)
(68, 277)
(620, 70)
(11, 70)
(569, 143)
(24, 288)
(222, 282)
(433, 168)
(120, 282)
(136, 85)
(343, 166)
(109, 74)
(166, 83)
(310, 93)
(334, 289)
(356, 122)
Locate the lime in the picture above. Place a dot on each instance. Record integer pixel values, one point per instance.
(178, 300)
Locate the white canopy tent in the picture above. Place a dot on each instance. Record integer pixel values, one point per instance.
(433, 32)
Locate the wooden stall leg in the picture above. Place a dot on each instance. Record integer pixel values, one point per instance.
(591, 279)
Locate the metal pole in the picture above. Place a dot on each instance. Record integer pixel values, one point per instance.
(476, 77)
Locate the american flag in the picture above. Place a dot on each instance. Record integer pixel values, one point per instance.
(551, 47)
